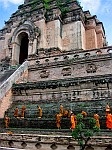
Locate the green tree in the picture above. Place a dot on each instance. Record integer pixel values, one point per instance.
(84, 130)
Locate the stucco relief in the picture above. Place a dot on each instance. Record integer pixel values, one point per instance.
(26, 26)
(44, 74)
(66, 71)
(91, 68)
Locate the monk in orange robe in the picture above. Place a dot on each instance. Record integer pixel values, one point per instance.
(58, 120)
(40, 111)
(73, 121)
(65, 113)
(7, 121)
(84, 114)
(69, 113)
(109, 121)
(96, 117)
(16, 112)
(61, 109)
(107, 108)
(23, 111)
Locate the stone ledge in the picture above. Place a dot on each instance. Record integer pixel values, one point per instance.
(27, 140)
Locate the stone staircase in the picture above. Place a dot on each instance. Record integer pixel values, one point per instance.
(50, 109)
(7, 79)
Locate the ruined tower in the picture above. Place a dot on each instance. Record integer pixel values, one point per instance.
(51, 53)
(67, 55)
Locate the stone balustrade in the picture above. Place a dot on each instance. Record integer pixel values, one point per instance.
(5, 87)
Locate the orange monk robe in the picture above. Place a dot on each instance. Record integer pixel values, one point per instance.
(58, 120)
(109, 121)
(69, 113)
(61, 109)
(6, 120)
(96, 117)
(73, 121)
(107, 109)
(16, 112)
(23, 111)
(84, 114)
(65, 113)
(40, 111)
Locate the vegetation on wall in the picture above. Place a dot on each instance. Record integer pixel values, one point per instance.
(47, 4)
(61, 4)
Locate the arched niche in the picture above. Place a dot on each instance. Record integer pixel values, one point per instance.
(24, 42)
(23, 50)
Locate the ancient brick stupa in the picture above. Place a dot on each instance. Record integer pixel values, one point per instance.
(51, 53)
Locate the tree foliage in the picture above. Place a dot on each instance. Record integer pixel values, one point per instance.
(84, 130)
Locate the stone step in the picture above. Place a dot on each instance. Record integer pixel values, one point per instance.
(45, 123)
(102, 132)
(50, 109)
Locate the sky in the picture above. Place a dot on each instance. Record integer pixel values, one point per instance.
(101, 8)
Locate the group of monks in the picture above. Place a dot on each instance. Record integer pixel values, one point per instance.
(73, 119)
(16, 112)
(22, 115)
(16, 115)
(63, 113)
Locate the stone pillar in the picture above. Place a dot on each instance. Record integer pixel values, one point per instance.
(57, 34)
(30, 47)
(73, 35)
(83, 43)
(53, 34)
(35, 44)
(15, 53)
(91, 38)
(100, 35)
(41, 24)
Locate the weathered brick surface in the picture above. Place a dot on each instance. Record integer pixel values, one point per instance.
(71, 36)
(91, 41)
(5, 103)
(2, 54)
(100, 40)
(23, 78)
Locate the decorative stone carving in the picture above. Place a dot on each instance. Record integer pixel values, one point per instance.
(91, 68)
(66, 71)
(76, 56)
(66, 57)
(99, 52)
(44, 74)
(33, 32)
(87, 54)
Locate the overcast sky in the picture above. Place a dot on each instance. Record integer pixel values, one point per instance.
(101, 8)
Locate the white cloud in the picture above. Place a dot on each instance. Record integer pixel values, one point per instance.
(6, 2)
(92, 5)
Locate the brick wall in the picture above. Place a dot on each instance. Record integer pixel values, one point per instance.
(5, 103)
